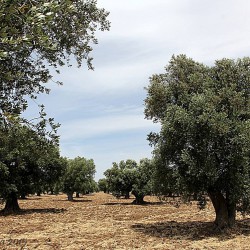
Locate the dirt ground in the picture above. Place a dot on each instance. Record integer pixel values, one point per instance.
(100, 221)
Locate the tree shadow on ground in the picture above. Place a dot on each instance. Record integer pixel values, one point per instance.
(131, 203)
(74, 200)
(77, 200)
(192, 230)
(35, 211)
(31, 198)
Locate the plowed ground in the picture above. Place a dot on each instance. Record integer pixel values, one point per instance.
(100, 221)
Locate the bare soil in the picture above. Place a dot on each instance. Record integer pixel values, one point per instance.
(100, 221)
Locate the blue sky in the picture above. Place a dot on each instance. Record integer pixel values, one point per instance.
(101, 111)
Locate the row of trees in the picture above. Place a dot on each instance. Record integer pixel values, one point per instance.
(22, 173)
(35, 37)
(23, 168)
(203, 146)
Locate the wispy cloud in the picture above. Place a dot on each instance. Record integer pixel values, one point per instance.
(101, 111)
(110, 122)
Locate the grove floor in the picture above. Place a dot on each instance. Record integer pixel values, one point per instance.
(100, 221)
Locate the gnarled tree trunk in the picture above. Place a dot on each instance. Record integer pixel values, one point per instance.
(70, 196)
(127, 195)
(139, 199)
(23, 196)
(224, 210)
(11, 205)
(231, 206)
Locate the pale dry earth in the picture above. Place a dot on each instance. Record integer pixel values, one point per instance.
(100, 221)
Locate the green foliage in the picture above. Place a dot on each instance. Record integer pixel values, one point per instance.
(204, 112)
(79, 176)
(128, 176)
(165, 179)
(27, 161)
(121, 177)
(103, 185)
(143, 180)
(51, 170)
(37, 36)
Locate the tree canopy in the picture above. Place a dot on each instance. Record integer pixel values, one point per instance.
(38, 35)
(129, 176)
(103, 185)
(204, 141)
(26, 160)
(79, 177)
(120, 177)
(143, 182)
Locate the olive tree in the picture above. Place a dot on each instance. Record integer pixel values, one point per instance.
(36, 38)
(27, 160)
(103, 185)
(128, 177)
(79, 177)
(143, 182)
(204, 141)
(120, 178)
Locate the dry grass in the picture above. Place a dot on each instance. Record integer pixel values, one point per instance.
(101, 221)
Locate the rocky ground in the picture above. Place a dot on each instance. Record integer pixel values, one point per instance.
(100, 221)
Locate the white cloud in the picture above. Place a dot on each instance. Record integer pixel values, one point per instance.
(101, 111)
(106, 124)
(119, 133)
(144, 34)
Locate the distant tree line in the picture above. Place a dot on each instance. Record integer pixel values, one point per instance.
(202, 149)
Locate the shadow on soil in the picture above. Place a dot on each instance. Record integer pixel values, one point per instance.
(193, 230)
(74, 200)
(30, 198)
(36, 211)
(131, 203)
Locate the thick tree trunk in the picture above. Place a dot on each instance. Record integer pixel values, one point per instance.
(11, 205)
(225, 212)
(195, 196)
(127, 195)
(231, 206)
(23, 196)
(70, 196)
(77, 195)
(139, 199)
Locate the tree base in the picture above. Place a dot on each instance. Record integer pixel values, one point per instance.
(139, 202)
(70, 196)
(11, 206)
(225, 212)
